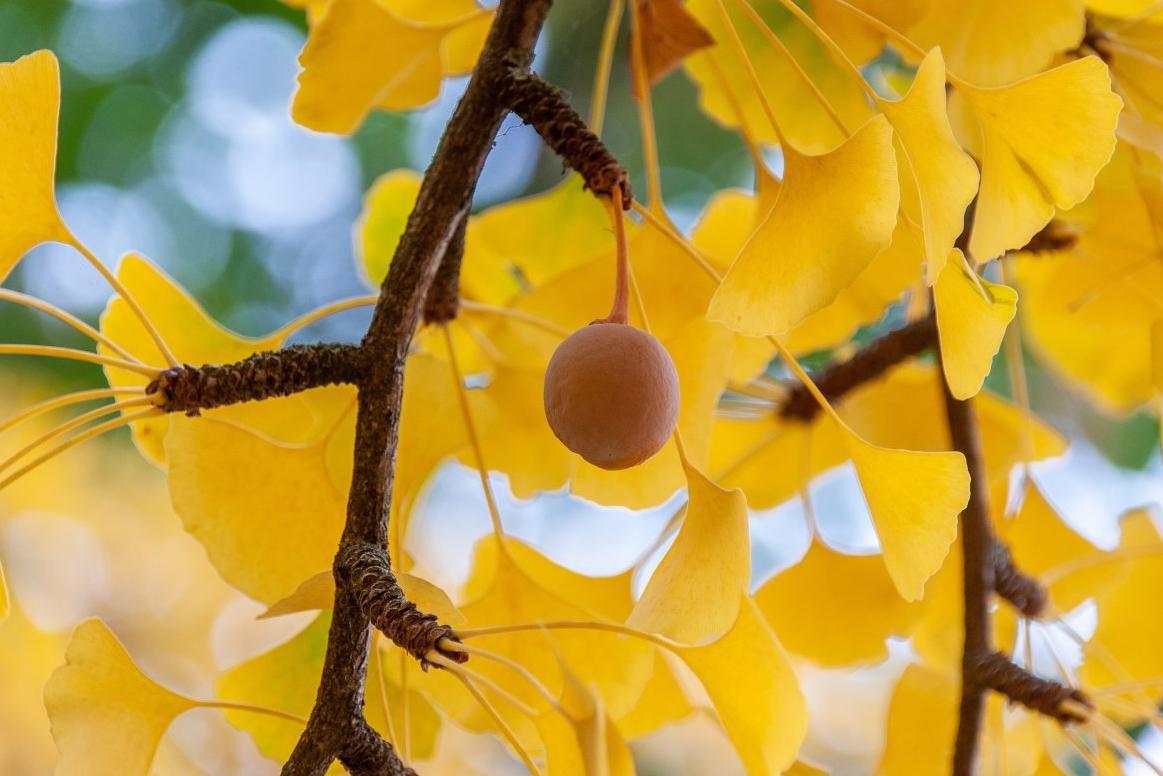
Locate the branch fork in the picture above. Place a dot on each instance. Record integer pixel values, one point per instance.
(365, 571)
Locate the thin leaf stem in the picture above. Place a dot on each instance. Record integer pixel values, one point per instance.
(64, 401)
(232, 706)
(888, 31)
(123, 292)
(605, 64)
(109, 425)
(462, 674)
(513, 665)
(69, 425)
(322, 312)
(748, 140)
(474, 439)
(645, 113)
(480, 308)
(829, 43)
(67, 318)
(608, 627)
(802, 74)
(378, 664)
(50, 351)
(619, 312)
(753, 76)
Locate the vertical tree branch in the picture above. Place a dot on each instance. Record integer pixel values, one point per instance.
(443, 203)
(977, 557)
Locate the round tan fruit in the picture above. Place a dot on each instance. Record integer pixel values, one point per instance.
(611, 394)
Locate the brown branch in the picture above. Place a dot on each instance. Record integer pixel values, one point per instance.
(997, 672)
(443, 302)
(869, 363)
(264, 375)
(443, 203)
(365, 570)
(1024, 592)
(366, 753)
(976, 547)
(545, 107)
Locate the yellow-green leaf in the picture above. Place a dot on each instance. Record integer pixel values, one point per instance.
(1045, 139)
(972, 316)
(754, 690)
(945, 176)
(834, 213)
(106, 715)
(30, 91)
(914, 499)
(694, 593)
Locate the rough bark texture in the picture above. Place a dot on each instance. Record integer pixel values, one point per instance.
(265, 375)
(1022, 591)
(443, 203)
(366, 571)
(544, 106)
(997, 672)
(444, 297)
(872, 361)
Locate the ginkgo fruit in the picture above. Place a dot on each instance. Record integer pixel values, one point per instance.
(611, 394)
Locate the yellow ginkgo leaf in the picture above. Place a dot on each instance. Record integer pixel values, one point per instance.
(1157, 355)
(285, 679)
(1045, 139)
(729, 220)
(432, 430)
(773, 459)
(972, 316)
(725, 95)
(981, 37)
(1121, 626)
(1041, 543)
(860, 40)
(197, 339)
(318, 592)
(694, 593)
(534, 240)
(267, 514)
(662, 702)
(106, 715)
(834, 213)
(348, 71)
(836, 609)
(922, 725)
(586, 743)
(914, 499)
(30, 91)
(751, 684)
(386, 207)
(515, 584)
(5, 605)
(1088, 311)
(945, 176)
